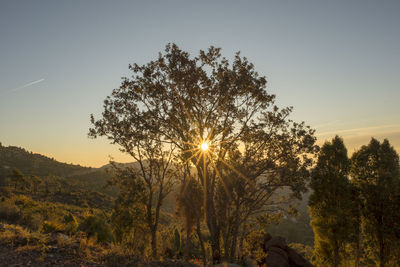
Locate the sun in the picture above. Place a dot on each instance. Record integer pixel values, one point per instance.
(204, 146)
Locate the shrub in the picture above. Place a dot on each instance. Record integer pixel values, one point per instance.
(51, 226)
(71, 225)
(95, 225)
(9, 213)
(31, 220)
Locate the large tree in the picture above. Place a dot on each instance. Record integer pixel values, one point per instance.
(223, 123)
(375, 170)
(332, 204)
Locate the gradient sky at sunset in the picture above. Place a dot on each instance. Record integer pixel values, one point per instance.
(336, 62)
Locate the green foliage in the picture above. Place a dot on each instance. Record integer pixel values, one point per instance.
(128, 217)
(253, 245)
(304, 250)
(96, 226)
(332, 204)
(375, 171)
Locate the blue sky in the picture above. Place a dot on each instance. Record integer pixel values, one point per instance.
(336, 62)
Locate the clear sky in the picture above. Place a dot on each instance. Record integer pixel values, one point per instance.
(336, 62)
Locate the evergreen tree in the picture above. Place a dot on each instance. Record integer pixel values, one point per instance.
(331, 205)
(375, 170)
(36, 181)
(17, 177)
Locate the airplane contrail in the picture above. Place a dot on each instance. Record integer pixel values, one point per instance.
(28, 84)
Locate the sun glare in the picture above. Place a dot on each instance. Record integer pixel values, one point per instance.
(204, 146)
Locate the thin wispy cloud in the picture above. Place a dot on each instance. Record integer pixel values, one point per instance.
(323, 125)
(373, 129)
(28, 84)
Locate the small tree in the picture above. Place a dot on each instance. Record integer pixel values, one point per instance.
(153, 164)
(332, 206)
(375, 170)
(36, 181)
(128, 218)
(17, 177)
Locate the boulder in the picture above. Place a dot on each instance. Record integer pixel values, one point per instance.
(276, 259)
(279, 254)
(296, 259)
(276, 241)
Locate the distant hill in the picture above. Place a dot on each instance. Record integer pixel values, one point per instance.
(60, 182)
(30, 163)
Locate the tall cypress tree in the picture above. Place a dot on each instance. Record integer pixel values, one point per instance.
(375, 171)
(331, 205)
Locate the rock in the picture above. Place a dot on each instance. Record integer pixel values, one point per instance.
(276, 241)
(248, 262)
(296, 259)
(275, 259)
(280, 255)
(280, 251)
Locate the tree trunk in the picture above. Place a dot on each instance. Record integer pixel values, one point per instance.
(381, 254)
(187, 246)
(210, 214)
(358, 248)
(234, 241)
(214, 229)
(241, 241)
(152, 226)
(154, 243)
(226, 236)
(336, 257)
(215, 246)
(203, 250)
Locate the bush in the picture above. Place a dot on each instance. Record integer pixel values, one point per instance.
(51, 226)
(9, 213)
(95, 225)
(71, 225)
(31, 220)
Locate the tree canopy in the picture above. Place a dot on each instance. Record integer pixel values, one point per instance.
(253, 147)
(375, 170)
(332, 204)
